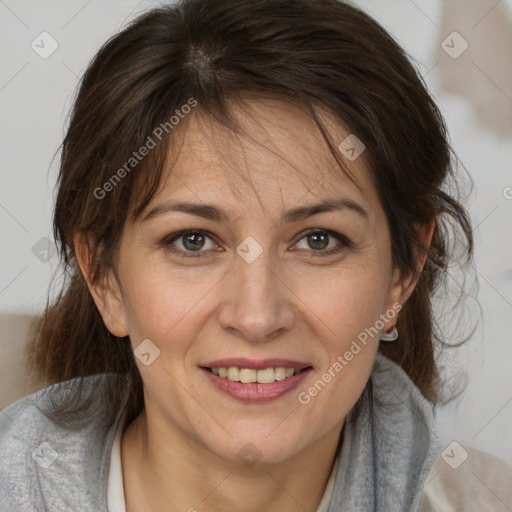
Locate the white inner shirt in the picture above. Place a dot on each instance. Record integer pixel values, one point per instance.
(115, 488)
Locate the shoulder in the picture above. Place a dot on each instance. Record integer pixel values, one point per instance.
(49, 451)
(464, 478)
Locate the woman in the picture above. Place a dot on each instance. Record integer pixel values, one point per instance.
(252, 215)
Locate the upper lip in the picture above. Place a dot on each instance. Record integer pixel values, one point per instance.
(259, 364)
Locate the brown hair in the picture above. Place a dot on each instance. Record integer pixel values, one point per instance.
(317, 53)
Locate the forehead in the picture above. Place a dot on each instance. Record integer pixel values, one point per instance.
(278, 155)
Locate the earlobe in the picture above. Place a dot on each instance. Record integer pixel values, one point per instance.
(105, 291)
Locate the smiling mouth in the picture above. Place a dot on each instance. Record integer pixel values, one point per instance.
(250, 375)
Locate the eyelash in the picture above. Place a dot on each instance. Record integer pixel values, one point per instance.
(345, 242)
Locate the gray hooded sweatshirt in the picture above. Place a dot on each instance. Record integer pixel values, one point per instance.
(387, 450)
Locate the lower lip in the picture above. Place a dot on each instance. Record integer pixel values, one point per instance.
(255, 392)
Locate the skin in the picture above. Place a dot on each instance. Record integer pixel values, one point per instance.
(291, 302)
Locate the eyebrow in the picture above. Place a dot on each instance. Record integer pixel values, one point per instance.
(215, 213)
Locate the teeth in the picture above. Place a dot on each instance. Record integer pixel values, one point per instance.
(233, 373)
(280, 373)
(266, 376)
(249, 375)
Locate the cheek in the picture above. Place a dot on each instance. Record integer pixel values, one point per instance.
(347, 302)
(159, 302)
(348, 313)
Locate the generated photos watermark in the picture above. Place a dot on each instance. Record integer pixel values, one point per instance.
(151, 142)
(304, 397)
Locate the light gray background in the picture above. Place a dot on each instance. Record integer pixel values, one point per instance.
(474, 92)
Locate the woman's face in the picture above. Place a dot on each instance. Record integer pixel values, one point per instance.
(257, 283)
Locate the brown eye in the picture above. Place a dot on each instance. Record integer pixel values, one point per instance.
(318, 240)
(323, 242)
(186, 243)
(193, 241)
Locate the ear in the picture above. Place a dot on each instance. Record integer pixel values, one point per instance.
(403, 286)
(105, 292)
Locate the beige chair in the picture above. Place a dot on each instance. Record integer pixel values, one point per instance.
(482, 483)
(16, 379)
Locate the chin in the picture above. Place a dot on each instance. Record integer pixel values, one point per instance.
(258, 448)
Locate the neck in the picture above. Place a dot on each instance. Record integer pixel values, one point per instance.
(158, 472)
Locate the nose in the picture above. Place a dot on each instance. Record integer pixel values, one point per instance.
(257, 304)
